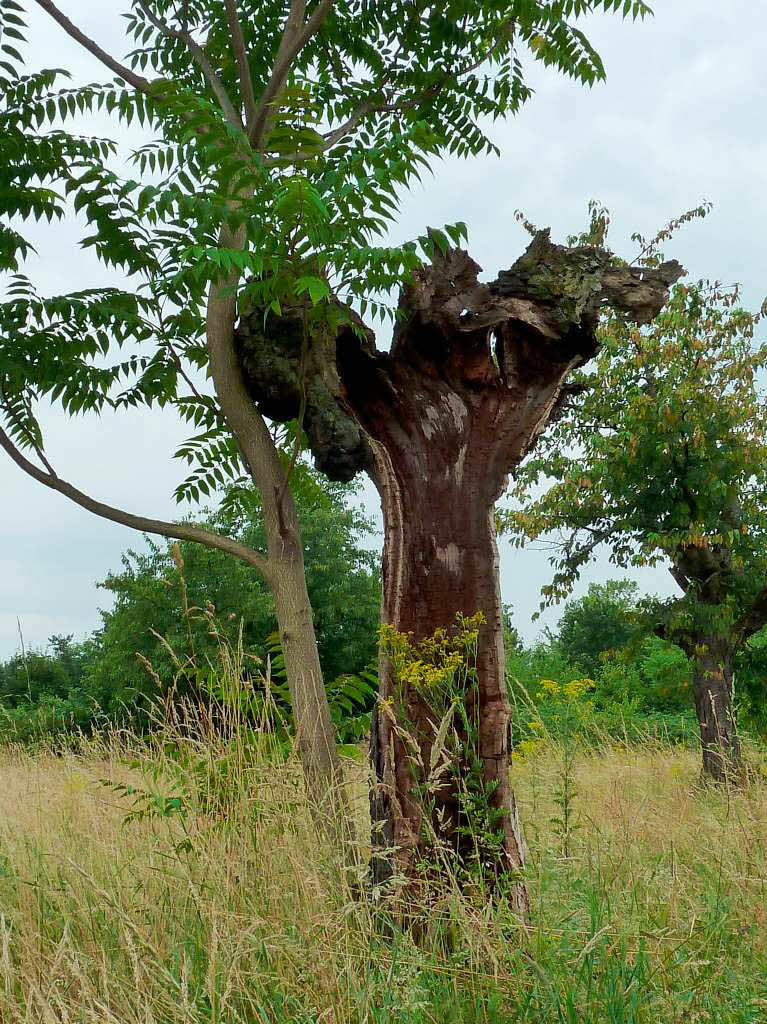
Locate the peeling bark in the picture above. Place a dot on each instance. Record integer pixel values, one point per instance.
(474, 373)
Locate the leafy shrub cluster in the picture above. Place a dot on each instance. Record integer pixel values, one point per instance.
(630, 683)
(176, 606)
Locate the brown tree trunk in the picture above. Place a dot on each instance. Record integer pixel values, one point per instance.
(441, 560)
(442, 443)
(474, 373)
(713, 693)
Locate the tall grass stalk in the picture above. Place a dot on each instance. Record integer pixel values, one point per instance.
(215, 902)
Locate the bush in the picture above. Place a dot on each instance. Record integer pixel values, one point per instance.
(634, 693)
(637, 684)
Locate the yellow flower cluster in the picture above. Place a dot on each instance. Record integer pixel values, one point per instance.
(578, 688)
(526, 749)
(437, 660)
(573, 690)
(421, 674)
(550, 687)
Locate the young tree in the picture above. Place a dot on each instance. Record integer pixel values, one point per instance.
(661, 455)
(284, 136)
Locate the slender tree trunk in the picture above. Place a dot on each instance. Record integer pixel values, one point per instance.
(713, 692)
(286, 576)
(315, 732)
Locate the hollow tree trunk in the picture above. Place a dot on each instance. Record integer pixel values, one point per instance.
(442, 442)
(473, 376)
(474, 373)
(713, 693)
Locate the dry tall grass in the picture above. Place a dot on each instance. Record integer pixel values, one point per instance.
(219, 905)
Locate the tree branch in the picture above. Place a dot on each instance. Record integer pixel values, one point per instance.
(294, 38)
(574, 557)
(332, 137)
(245, 421)
(137, 81)
(368, 106)
(202, 62)
(680, 578)
(246, 81)
(178, 531)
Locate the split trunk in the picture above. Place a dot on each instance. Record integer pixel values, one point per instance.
(473, 375)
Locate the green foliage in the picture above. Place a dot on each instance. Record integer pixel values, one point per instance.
(44, 694)
(29, 676)
(441, 672)
(660, 454)
(147, 619)
(598, 623)
(666, 440)
(293, 205)
(751, 682)
(175, 605)
(351, 696)
(635, 683)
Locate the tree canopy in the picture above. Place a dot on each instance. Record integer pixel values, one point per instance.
(281, 138)
(151, 592)
(660, 454)
(598, 623)
(295, 136)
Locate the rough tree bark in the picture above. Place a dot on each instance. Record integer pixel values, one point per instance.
(474, 373)
(705, 573)
(713, 693)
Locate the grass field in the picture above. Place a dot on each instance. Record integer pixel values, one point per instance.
(216, 903)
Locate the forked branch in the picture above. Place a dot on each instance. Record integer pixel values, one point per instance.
(296, 35)
(137, 81)
(202, 62)
(246, 81)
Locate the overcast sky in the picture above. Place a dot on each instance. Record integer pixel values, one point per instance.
(680, 118)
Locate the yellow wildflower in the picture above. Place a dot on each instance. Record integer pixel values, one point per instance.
(526, 749)
(550, 686)
(577, 688)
